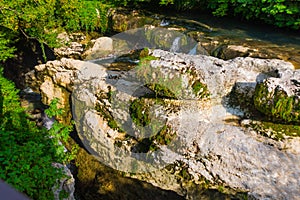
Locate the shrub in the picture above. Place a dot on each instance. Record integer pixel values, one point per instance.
(27, 151)
(282, 13)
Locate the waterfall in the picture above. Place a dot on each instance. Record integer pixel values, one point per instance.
(175, 45)
(193, 51)
(47, 122)
(164, 23)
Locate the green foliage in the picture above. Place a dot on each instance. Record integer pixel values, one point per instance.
(83, 15)
(53, 111)
(42, 20)
(26, 151)
(128, 2)
(282, 13)
(200, 89)
(5, 48)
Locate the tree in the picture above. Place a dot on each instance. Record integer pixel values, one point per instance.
(42, 20)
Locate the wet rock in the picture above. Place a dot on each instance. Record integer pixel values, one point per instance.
(103, 44)
(279, 97)
(136, 39)
(233, 51)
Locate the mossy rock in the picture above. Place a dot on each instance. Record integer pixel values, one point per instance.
(276, 131)
(139, 112)
(200, 89)
(163, 86)
(161, 91)
(277, 104)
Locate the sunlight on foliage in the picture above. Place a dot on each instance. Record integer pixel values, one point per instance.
(27, 152)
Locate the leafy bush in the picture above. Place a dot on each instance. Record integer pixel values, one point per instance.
(26, 151)
(42, 20)
(282, 13)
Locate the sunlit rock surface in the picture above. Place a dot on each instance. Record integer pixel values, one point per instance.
(209, 139)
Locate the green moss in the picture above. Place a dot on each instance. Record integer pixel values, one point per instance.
(108, 117)
(276, 131)
(278, 106)
(185, 174)
(163, 86)
(200, 89)
(161, 91)
(144, 53)
(163, 137)
(139, 112)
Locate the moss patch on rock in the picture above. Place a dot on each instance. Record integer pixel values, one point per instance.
(164, 85)
(139, 112)
(276, 131)
(277, 105)
(200, 89)
(104, 112)
(161, 91)
(163, 137)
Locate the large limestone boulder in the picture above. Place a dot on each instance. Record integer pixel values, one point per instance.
(195, 107)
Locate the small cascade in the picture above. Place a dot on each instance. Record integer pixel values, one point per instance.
(164, 22)
(47, 121)
(175, 45)
(193, 51)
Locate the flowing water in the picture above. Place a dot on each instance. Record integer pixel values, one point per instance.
(264, 41)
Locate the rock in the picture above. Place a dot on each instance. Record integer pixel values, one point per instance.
(103, 44)
(66, 186)
(55, 79)
(139, 38)
(73, 50)
(233, 51)
(279, 97)
(71, 46)
(207, 145)
(123, 20)
(102, 47)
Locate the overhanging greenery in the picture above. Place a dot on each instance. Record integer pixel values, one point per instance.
(26, 151)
